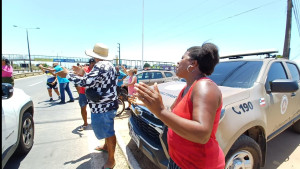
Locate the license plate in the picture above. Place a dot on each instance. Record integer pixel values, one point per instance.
(134, 137)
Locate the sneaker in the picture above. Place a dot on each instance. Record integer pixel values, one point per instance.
(59, 97)
(70, 101)
(81, 128)
(51, 100)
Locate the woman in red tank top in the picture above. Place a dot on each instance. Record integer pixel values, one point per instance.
(194, 116)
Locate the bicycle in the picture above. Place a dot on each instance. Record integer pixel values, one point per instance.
(122, 97)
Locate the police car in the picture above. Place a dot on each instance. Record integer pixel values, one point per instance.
(260, 100)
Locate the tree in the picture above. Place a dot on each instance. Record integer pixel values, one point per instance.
(146, 65)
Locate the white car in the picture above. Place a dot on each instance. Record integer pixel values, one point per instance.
(149, 77)
(17, 122)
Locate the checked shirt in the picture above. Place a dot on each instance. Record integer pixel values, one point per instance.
(102, 77)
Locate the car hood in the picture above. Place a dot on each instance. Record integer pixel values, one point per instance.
(169, 92)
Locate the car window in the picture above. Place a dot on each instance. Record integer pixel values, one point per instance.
(294, 71)
(168, 74)
(238, 74)
(276, 72)
(157, 75)
(140, 76)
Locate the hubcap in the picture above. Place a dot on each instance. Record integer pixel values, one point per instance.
(27, 133)
(240, 160)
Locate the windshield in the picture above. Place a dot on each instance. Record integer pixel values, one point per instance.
(238, 74)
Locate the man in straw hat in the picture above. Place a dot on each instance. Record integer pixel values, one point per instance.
(102, 80)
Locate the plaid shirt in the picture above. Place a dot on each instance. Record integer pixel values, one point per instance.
(103, 77)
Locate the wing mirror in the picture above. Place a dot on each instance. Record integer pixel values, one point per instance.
(7, 90)
(284, 86)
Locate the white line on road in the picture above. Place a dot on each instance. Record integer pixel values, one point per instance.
(36, 83)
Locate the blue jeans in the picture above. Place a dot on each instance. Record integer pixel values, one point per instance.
(62, 88)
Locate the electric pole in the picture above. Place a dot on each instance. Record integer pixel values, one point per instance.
(286, 48)
(119, 55)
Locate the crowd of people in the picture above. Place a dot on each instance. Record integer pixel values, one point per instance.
(192, 120)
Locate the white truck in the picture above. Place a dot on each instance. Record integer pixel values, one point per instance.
(261, 98)
(17, 122)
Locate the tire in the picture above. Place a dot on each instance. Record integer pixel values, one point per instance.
(121, 107)
(296, 127)
(26, 134)
(244, 154)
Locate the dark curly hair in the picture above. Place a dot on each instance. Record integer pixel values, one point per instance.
(206, 55)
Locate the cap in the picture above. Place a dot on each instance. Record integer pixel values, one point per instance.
(91, 60)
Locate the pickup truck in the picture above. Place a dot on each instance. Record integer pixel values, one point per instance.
(261, 98)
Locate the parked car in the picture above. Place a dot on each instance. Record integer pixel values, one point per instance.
(17, 122)
(260, 100)
(151, 76)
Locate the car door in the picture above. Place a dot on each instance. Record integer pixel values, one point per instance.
(295, 96)
(143, 77)
(156, 77)
(278, 103)
(9, 123)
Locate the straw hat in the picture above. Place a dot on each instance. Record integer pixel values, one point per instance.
(100, 51)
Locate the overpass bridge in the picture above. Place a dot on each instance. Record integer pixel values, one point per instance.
(69, 61)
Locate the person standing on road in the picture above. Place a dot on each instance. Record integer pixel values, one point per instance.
(7, 72)
(101, 82)
(51, 83)
(121, 76)
(82, 98)
(195, 114)
(63, 83)
(131, 81)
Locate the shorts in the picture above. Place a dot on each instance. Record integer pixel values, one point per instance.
(50, 86)
(82, 100)
(103, 124)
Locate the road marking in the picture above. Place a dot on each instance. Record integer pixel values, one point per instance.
(36, 83)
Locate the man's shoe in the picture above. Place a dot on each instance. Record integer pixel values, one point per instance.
(70, 101)
(51, 100)
(61, 103)
(81, 128)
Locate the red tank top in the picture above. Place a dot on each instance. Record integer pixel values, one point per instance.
(187, 154)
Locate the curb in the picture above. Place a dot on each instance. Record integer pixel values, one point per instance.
(127, 153)
(22, 75)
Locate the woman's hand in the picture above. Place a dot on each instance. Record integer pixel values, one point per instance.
(134, 100)
(150, 97)
(78, 70)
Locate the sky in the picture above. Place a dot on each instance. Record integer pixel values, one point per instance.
(68, 28)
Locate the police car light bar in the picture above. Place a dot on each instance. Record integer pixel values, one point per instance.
(258, 52)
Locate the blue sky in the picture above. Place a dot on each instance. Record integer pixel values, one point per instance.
(67, 28)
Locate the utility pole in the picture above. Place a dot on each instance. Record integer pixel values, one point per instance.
(287, 40)
(119, 55)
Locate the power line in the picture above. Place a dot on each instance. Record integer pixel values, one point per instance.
(178, 25)
(221, 20)
(296, 13)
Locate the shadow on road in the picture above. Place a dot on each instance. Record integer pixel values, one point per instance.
(281, 147)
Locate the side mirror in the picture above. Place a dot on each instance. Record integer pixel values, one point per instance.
(7, 90)
(284, 86)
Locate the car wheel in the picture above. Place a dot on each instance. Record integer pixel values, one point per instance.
(26, 134)
(244, 154)
(296, 127)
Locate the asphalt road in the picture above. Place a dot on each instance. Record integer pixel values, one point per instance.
(58, 143)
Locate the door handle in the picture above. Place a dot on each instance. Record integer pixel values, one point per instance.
(293, 94)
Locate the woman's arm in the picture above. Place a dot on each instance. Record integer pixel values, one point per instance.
(205, 105)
